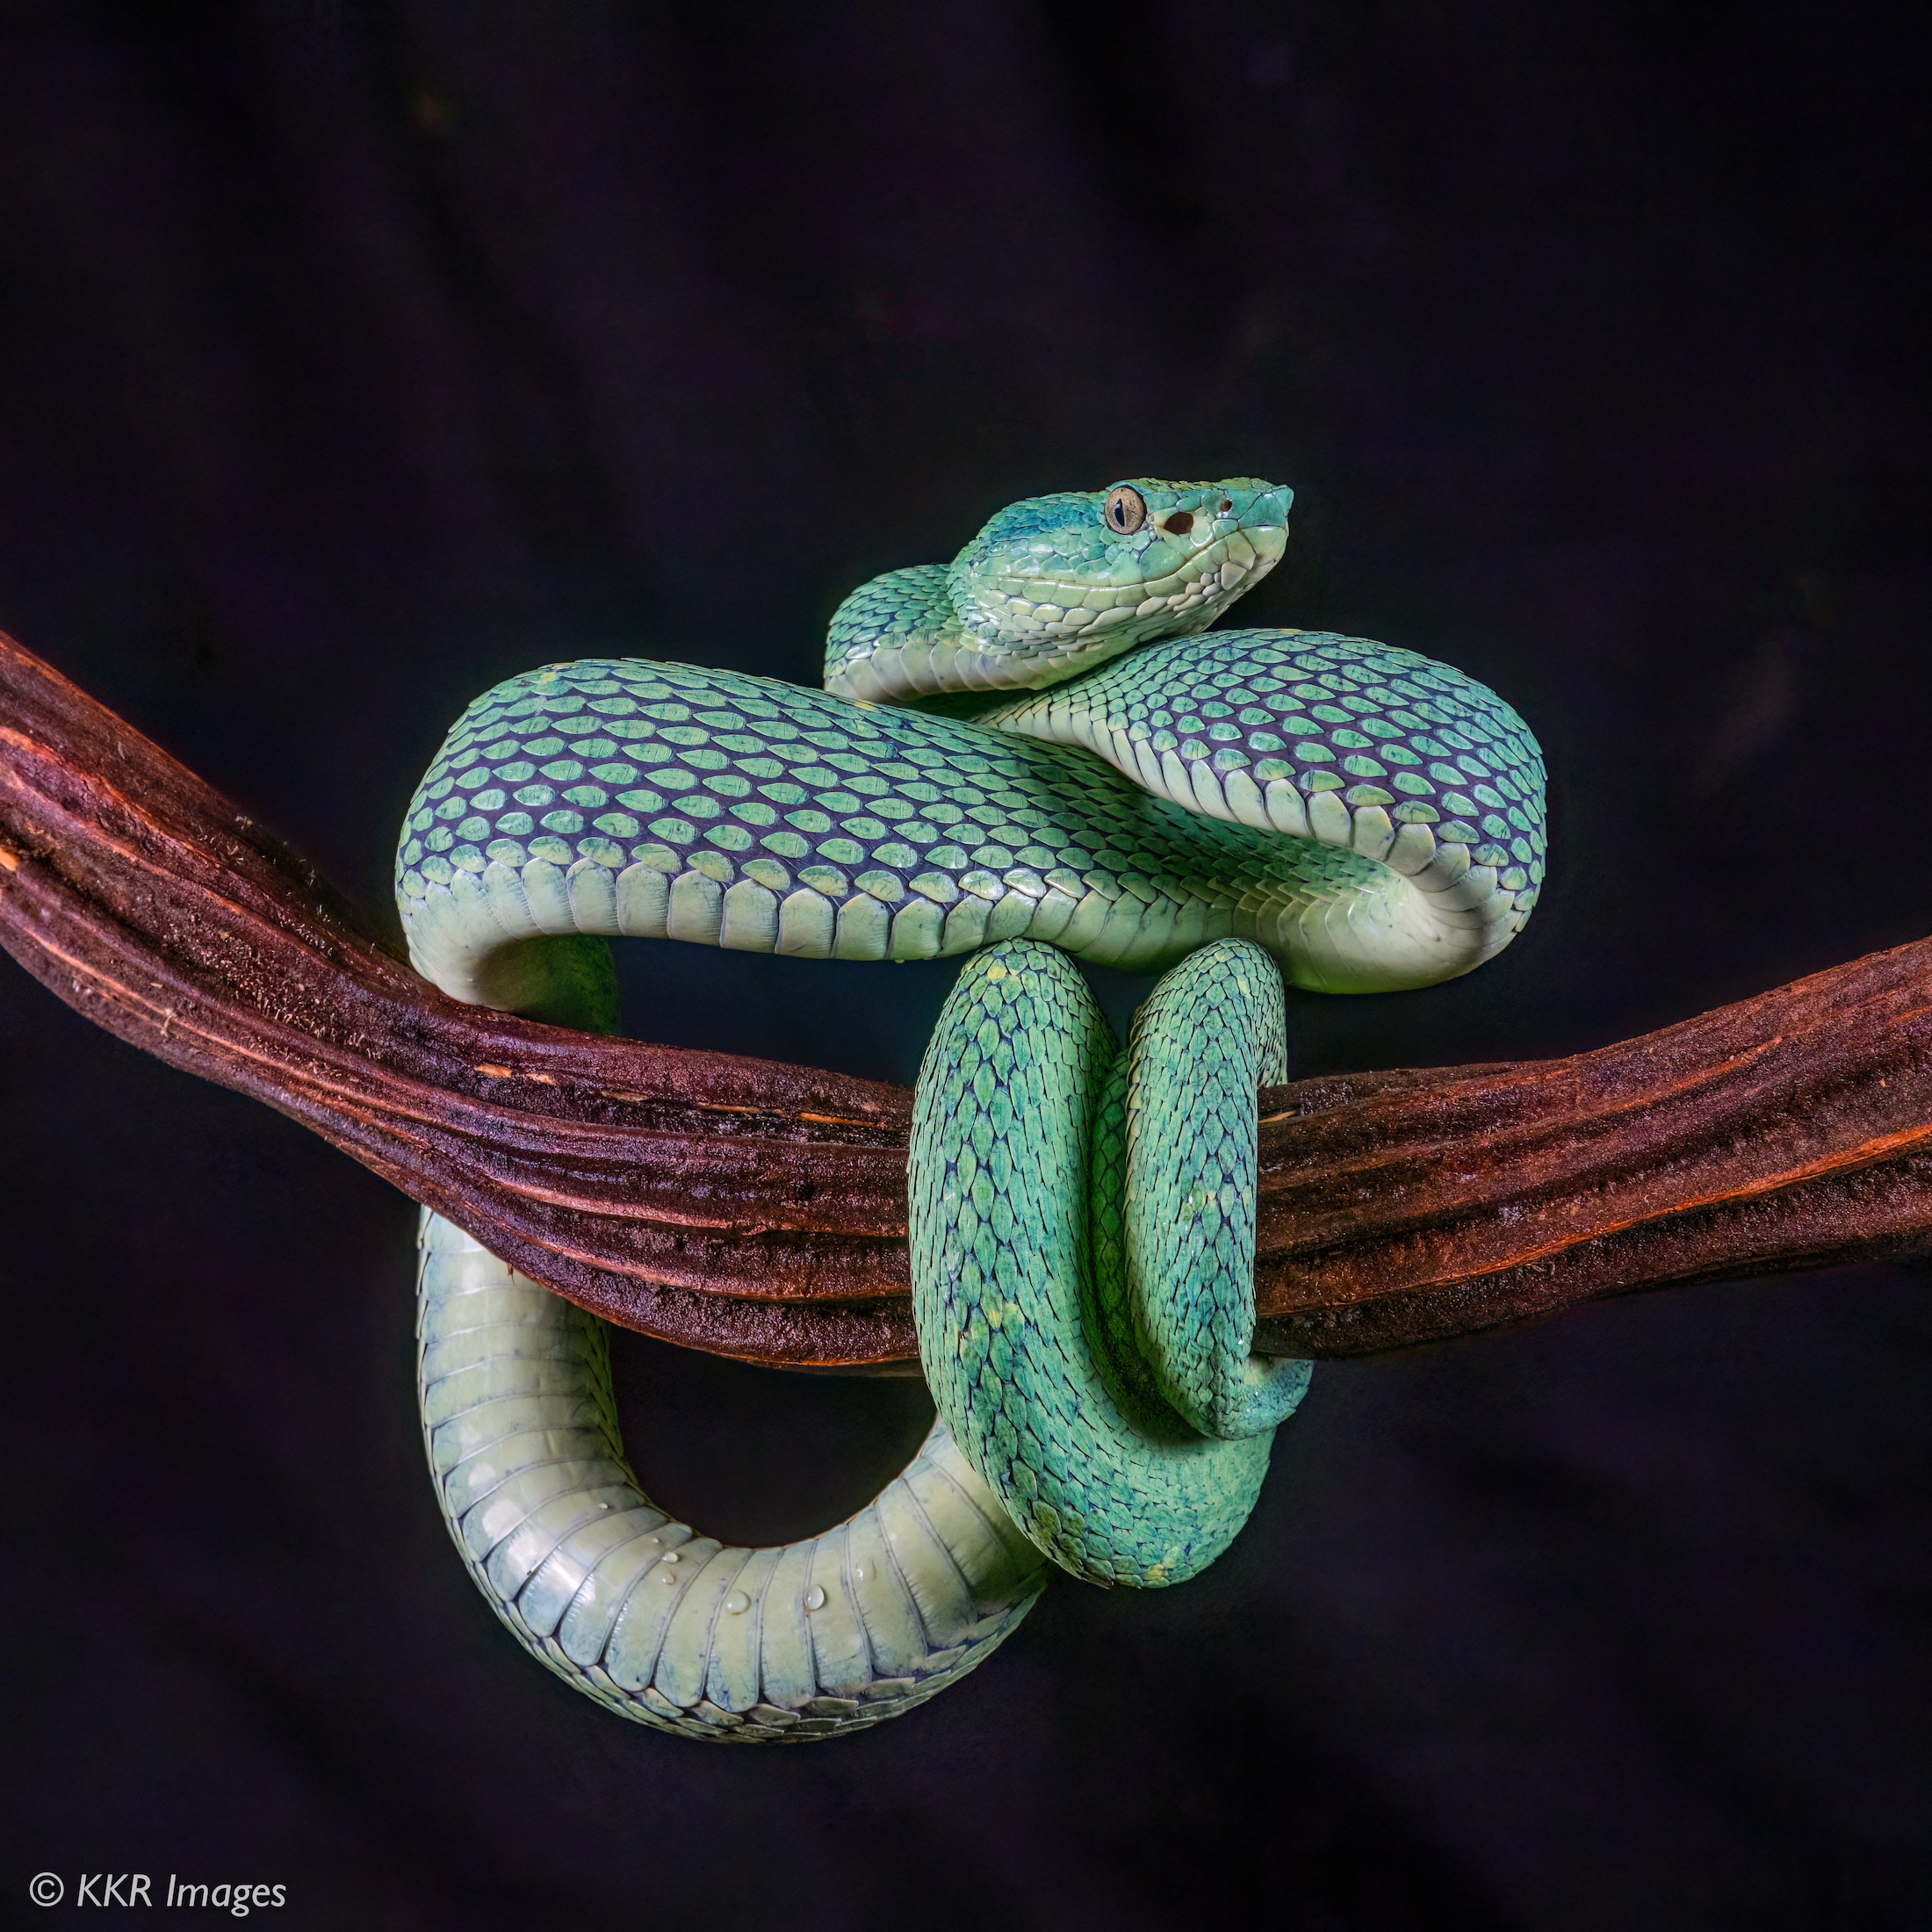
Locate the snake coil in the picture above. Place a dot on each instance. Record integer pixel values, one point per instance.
(1239, 806)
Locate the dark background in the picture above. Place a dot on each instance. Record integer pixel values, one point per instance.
(353, 357)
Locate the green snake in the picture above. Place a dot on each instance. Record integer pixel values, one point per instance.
(1038, 751)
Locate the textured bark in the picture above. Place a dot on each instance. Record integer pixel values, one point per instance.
(759, 1210)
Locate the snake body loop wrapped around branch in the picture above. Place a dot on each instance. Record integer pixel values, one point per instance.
(1083, 1254)
(1358, 817)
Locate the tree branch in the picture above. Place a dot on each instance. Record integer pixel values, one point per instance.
(759, 1210)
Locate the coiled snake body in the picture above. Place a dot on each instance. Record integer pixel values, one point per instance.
(1132, 792)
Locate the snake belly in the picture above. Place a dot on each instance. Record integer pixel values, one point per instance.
(651, 1619)
(1224, 804)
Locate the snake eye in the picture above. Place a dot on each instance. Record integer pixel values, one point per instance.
(1126, 510)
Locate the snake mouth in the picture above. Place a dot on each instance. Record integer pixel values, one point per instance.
(1214, 569)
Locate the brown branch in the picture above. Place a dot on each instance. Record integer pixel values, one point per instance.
(758, 1210)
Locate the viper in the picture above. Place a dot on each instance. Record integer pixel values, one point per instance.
(1038, 753)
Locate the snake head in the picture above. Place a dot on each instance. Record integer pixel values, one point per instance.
(1060, 583)
(1056, 585)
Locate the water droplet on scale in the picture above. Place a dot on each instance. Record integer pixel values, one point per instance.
(737, 1603)
(815, 1598)
(671, 1556)
(858, 1573)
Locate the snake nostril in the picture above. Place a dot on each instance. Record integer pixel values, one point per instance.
(1179, 523)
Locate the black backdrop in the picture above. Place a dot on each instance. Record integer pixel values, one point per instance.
(352, 358)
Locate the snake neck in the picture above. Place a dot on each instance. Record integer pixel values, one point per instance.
(900, 639)
(929, 632)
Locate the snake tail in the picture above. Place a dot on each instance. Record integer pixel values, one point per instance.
(1213, 1031)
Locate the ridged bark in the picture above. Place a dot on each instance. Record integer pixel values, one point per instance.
(758, 1210)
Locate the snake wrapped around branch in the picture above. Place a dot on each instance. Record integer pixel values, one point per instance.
(1034, 752)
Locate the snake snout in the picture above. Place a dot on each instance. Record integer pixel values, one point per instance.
(1252, 503)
